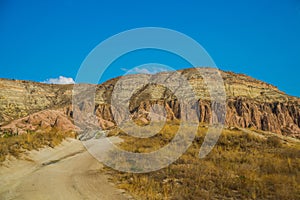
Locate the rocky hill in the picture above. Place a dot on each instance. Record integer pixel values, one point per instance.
(21, 98)
(250, 103)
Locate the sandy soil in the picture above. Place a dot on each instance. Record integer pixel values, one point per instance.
(65, 172)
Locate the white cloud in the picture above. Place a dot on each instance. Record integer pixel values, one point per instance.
(143, 71)
(60, 80)
(124, 69)
(149, 68)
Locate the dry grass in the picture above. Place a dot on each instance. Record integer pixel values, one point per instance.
(16, 145)
(241, 166)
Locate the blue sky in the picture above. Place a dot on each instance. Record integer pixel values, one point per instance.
(47, 39)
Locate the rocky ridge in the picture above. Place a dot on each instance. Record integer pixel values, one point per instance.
(249, 103)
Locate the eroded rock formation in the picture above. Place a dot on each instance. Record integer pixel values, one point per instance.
(249, 103)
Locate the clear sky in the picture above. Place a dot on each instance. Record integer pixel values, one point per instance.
(47, 39)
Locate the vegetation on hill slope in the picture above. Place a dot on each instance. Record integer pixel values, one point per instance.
(16, 145)
(241, 166)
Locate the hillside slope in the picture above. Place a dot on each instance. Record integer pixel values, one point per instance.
(250, 103)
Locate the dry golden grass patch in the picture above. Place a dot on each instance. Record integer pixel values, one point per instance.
(15, 145)
(241, 166)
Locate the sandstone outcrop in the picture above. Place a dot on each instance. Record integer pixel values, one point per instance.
(249, 103)
(41, 121)
(20, 98)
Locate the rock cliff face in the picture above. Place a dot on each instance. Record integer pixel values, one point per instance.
(20, 98)
(249, 103)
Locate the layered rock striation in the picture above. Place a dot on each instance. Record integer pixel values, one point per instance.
(250, 103)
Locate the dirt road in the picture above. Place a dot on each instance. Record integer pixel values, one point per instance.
(65, 172)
